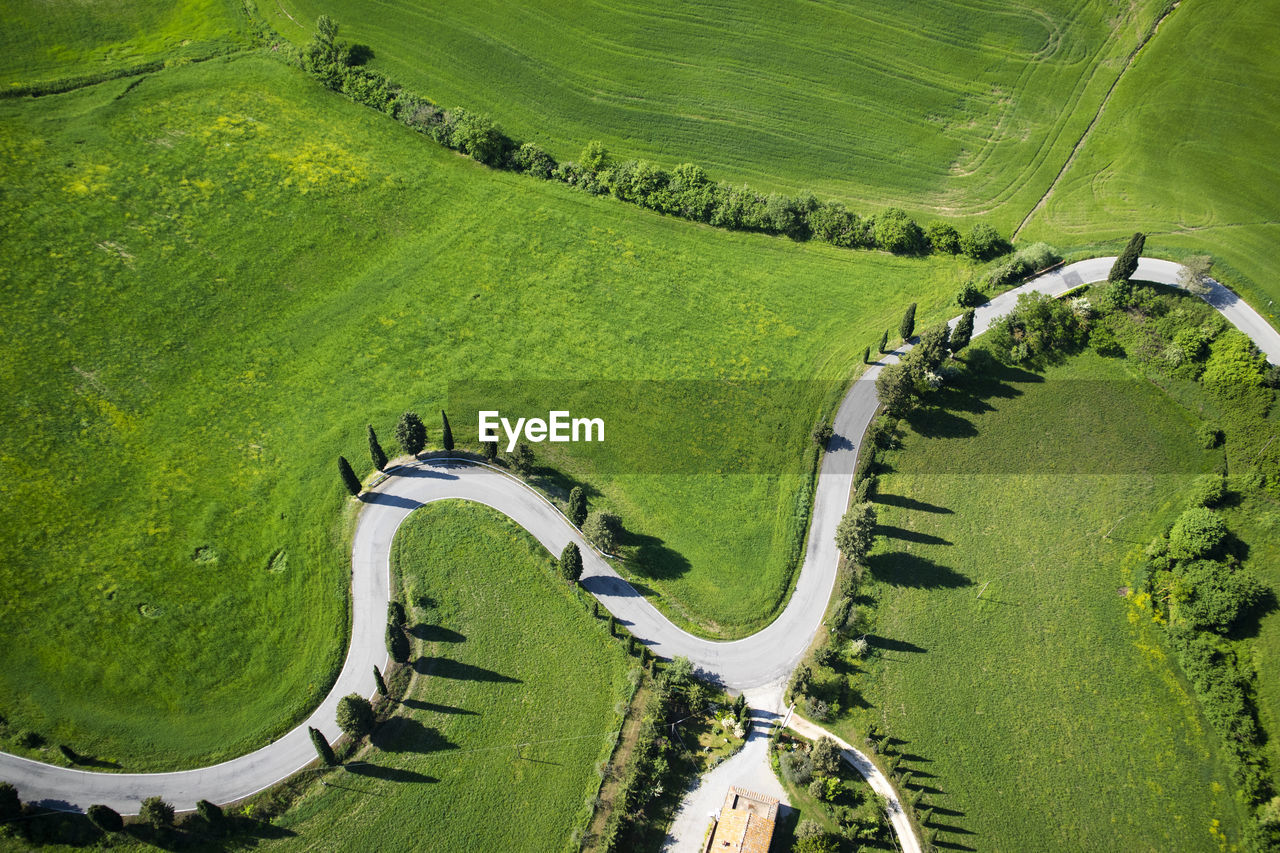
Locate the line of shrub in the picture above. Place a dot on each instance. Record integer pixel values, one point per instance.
(686, 191)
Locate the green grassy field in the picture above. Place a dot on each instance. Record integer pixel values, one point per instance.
(1187, 149)
(216, 277)
(958, 109)
(47, 41)
(1037, 715)
(531, 669)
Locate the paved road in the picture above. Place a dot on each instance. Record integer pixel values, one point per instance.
(762, 659)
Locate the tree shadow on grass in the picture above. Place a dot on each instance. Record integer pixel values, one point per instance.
(649, 556)
(233, 832)
(387, 774)
(405, 734)
(432, 707)
(902, 568)
(891, 532)
(436, 634)
(937, 422)
(448, 668)
(910, 504)
(558, 484)
(891, 645)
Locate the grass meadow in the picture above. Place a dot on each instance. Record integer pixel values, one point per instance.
(42, 42)
(1187, 151)
(957, 109)
(1033, 711)
(216, 275)
(496, 743)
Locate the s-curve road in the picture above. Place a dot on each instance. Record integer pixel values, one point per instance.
(763, 658)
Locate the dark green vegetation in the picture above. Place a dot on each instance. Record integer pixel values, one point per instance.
(948, 110)
(1001, 648)
(513, 702)
(836, 810)
(182, 330)
(1209, 74)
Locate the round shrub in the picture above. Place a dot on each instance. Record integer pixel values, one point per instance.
(1208, 490)
(970, 295)
(982, 243)
(1210, 436)
(603, 530)
(796, 767)
(1213, 595)
(156, 812)
(105, 818)
(943, 237)
(898, 233)
(1196, 533)
(355, 715)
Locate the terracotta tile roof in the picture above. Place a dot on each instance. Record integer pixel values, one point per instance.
(745, 824)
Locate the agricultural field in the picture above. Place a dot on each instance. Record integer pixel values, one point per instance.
(44, 42)
(1037, 712)
(496, 744)
(209, 298)
(958, 109)
(1186, 150)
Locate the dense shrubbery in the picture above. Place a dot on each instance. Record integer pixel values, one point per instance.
(1038, 329)
(686, 191)
(1033, 258)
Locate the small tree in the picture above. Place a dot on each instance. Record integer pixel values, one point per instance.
(602, 529)
(595, 157)
(156, 812)
(577, 506)
(349, 478)
(963, 332)
(1193, 275)
(613, 625)
(866, 355)
(571, 563)
(105, 818)
(397, 643)
(883, 347)
(447, 438)
(10, 804)
(822, 434)
(211, 813)
(895, 390)
(982, 242)
(855, 532)
(355, 715)
(396, 615)
(522, 460)
(321, 743)
(490, 451)
(908, 326)
(1127, 262)
(411, 434)
(379, 682)
(375, 450)
(826, 757)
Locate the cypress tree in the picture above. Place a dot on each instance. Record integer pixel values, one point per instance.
(375, 450)
(210, 812)
(10, 804)
(963, 332)
(866, 355)
(884, 343)
(571, 563)
(577, 506)
(411, 434)
(397, 643)
(613, 622)
(396, 615)
(631, 644)
(1127, 263)
(490, 451)
(321, 743)
(377, 679)
(349, 478)
(595, 608)
(908, 326)
(447, 438)
(105, 818)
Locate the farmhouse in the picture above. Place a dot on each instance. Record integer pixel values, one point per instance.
(745, 823)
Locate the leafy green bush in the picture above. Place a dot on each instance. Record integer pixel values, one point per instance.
(983, 243)
(970, 295)
(1208, 490)
(1196, 533)
(602, 529)
(943, 237)
(796, 766)
(1211, 596)
(898, 233)
(1039, 327)
(355, 715)
(533, 159)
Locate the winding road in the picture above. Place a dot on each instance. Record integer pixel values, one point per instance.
(763, 659)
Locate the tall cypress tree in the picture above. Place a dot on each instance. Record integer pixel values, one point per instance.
(375, 450)
(884, 342)
(571, 563)
(490, 451)
(963, 332)
(397, 644)
(396, 614)
(866, 355)
(577, 506)
(377, 679)
(1127, 263)
(411, 434)
(447, 438)
(908, 326)
(349, 478)
(323, 749)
